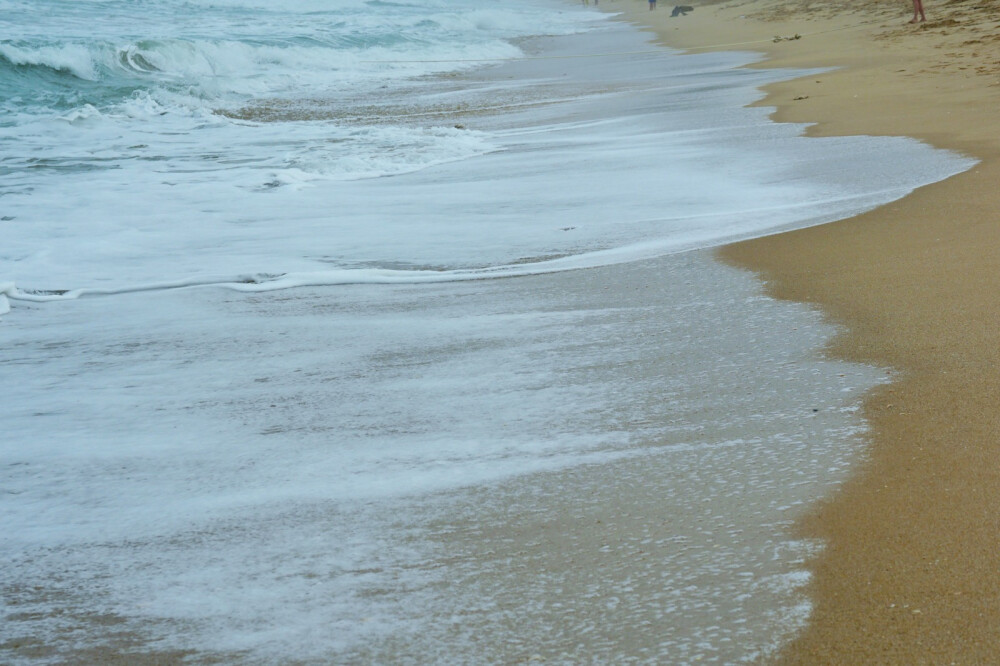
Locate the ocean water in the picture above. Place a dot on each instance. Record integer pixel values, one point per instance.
(361, 331)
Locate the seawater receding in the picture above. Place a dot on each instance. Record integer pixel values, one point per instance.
(599, 463)
(468, 104)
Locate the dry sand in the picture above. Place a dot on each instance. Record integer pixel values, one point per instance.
(911, 573)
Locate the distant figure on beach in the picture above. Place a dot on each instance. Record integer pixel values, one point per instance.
(918, 9)
(652, 5)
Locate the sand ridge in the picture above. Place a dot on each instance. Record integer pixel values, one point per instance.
(910, 571)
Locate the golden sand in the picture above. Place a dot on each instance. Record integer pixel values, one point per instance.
(911, 573)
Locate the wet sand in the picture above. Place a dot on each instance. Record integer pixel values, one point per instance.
(910, 571)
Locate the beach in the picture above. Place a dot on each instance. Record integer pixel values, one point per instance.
(354, 332)
(909, 571)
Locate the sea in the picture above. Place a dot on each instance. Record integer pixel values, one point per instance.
(389, 332)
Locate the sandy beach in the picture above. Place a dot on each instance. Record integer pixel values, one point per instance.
(909, 574)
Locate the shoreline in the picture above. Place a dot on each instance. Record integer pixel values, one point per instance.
(562, 564)
(909, 571)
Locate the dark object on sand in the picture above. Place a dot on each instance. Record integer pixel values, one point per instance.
(681, 10)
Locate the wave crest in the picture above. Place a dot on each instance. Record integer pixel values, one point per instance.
(74, 59)
(132, 58)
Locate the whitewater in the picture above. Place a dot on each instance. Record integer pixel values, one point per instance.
(388, 332)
